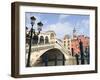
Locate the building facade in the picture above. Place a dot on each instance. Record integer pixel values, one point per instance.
(78, 47)
(67, 43)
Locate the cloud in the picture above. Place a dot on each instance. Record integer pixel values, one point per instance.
(83, 27)
(62, 26)
(61, 29)
(63, 16)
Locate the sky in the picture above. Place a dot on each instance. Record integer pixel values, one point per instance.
(61, 24)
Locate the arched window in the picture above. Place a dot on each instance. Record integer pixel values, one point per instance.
(46, 40)
(52, 36)
(41, 40)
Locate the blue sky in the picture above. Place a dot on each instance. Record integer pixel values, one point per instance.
(62, 24)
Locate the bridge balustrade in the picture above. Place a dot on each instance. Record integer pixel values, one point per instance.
(39, 47)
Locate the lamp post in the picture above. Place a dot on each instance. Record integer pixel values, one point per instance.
(40, 24)
(27, 35)
(35, 37)
(81, 52)
(77, 59)
(87, 56)
(30, 41)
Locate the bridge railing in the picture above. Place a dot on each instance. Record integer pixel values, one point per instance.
(39, 47)
(62, 47)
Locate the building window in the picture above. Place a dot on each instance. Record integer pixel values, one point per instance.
(64, 45)
(64, 41)
(68, 47)
(68, 41)
(68, 44)
(52, 36)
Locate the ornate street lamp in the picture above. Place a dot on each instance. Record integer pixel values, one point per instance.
(40, 24)
(32, 20)
(35, 37)
(32, 23)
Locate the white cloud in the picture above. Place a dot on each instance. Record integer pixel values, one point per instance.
(63, 16)
(83, 27)
(61, 29)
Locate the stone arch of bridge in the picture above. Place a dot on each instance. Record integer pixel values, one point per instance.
(53, 51)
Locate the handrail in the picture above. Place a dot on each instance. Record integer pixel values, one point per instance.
(44, 45)
(60, 44)
(40, 47)
(57, 41)
(47, 46)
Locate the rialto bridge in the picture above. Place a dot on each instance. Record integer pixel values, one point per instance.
(49, 48)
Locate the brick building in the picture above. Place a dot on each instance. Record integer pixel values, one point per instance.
(76, 46)
(72, 44)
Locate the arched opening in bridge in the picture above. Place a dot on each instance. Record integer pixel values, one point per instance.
(52, 36)
(41, 40)
(53, 57)
(35, 39)
(46, 40)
